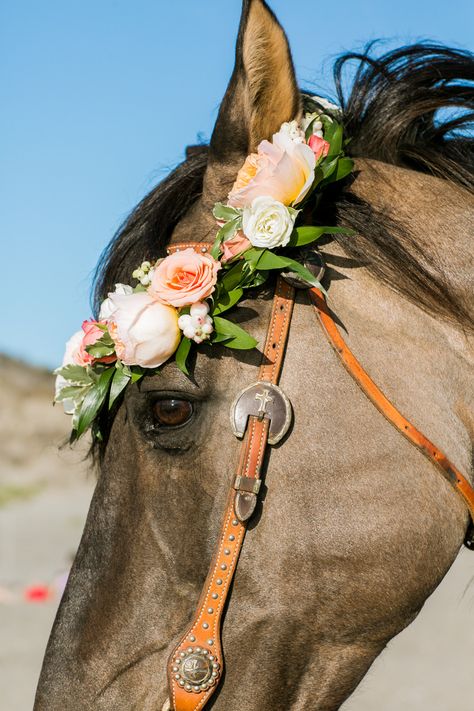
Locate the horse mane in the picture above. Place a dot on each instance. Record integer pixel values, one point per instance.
(412, 107)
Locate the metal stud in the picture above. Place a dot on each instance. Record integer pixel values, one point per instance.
(210, 642)
(205, 626)
(210, 610)
(215, 665)
(204, 687)
(211, 657)
(204, 250)
(181, 682)
(214, 596)
(188, 687)
(231, 537)
(189, 650)
(177, 676)
(235, 522)
(219, 581)
(223, 566)
(192, 638)
(182, 654)
(197, 688)
(215, 673)
(175, 668)
(198, 649)
(226, 551)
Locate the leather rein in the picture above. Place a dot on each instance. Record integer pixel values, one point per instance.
(261, 416)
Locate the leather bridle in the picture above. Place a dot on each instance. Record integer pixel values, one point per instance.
(261, 414)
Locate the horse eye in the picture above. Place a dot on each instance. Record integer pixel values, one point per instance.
(172, 412)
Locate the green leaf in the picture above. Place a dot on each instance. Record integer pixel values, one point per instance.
(99, 350)
(270, 260)
(93, 402)
(233, 277)
(305, 235)
(336, 140)
(345, 167)
(224, 213)
(304, 274)
(182, 354)
(227, 300)
(137, 373)
(75, 374)
(238, 338)
(118, 385)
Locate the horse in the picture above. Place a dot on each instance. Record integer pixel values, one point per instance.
(355, 528)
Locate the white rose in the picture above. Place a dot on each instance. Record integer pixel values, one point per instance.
(268, 223)
(72, 346)
(145, 332)
(106, 306)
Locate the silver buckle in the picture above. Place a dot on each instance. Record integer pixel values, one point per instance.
(262, 400)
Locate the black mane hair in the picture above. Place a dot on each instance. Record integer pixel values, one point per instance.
(393, 113)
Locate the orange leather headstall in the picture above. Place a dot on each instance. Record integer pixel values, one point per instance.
(262, 415)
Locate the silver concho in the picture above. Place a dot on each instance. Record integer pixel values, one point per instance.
(262, 399)
(312, 259)
(196, 669)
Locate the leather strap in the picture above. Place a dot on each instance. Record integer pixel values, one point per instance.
(389, 411)
(195, 667)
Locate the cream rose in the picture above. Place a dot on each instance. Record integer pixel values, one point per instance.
(268, 223)
(283, 168)
(145, 331)
(184, 278)
(106, 307)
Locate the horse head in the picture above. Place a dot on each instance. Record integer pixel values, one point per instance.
(353, 530)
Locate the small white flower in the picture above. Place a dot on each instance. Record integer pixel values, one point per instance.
(319, 134)
(293, 130)
(197, 325)
(199, 309)
(268, 223)
(107, 307)
(138, 274)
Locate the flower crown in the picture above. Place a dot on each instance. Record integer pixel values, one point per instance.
(178, 302)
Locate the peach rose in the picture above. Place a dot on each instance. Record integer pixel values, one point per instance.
(145, 332)
(184, 278)
(319, 146)
(91, 334)
(234, 246)
(283, 169)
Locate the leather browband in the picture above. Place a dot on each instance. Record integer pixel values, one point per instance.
(195, 666)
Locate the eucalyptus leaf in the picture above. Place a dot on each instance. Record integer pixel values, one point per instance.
(224, 213)
(72, 392)
(182, 354)
(75, 374)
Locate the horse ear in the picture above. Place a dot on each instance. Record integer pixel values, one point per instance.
(261, 95)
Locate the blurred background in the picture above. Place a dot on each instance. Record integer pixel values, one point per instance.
(98, 102)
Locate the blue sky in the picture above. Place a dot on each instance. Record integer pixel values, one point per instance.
(99, 100)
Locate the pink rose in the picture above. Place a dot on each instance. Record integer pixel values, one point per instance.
(145, 332)
(235, 246)
(184, 278)
(283, 169)
(92, 333)
(319, 146)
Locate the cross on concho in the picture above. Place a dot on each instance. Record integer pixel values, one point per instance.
(262, 399)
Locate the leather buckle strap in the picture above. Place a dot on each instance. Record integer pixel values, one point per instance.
(196, 664)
